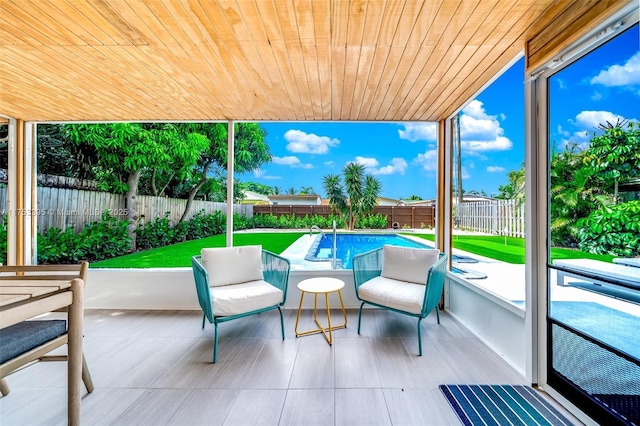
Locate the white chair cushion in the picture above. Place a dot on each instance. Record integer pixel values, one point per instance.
(407, 264)
(242, 298)
(232, 265)
(401, 295)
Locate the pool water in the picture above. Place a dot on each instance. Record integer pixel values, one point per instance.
(349, 245)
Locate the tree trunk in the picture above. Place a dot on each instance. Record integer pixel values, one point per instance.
(131, 206)
(194, 191)
(154, 190)
(192, 195)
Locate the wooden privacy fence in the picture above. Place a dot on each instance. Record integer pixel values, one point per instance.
(499, 217)
(404, 216)
(63, 207)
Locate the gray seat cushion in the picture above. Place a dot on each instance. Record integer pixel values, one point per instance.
(24, 336)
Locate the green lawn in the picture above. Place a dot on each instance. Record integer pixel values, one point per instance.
(179, 255)
(510, 250)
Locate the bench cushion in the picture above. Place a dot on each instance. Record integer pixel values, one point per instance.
(401, 295)
(24, 336)
(246, 297)
(232, 265)
(407, 264)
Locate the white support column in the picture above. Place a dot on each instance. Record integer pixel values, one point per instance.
(536, 228)
(30, 194)
(12, 178)
(230, 183)
(445, 169)
(21, 197)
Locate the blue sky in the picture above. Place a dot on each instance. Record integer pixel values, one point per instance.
(603, 86)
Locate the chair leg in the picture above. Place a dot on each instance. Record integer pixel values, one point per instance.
(281, 322)
(215, 343)
(419, 338)
(360, 316)
(438, 314)
(86, 376)
(4, 387)
(203, 318)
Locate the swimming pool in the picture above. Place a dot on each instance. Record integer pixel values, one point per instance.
(349, 245)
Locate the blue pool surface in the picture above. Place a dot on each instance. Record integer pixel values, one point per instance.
(349, 245)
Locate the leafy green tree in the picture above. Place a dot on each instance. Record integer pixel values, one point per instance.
(291, 191)
(250, 149)
(613, 230)
(276, 190)
(124, 150)
(258, 188)
(615, 155)
(358, 195)
(515, 188)
(307, 190)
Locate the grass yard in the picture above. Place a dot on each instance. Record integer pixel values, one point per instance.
(510, 250)
(179, 255)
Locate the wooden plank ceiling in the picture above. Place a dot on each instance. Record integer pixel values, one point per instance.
(298, 60)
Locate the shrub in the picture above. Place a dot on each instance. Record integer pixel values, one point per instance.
(372, 221)
(105, 239)
(204, 225)
(97, 241)
(157, 233)
(613, 230)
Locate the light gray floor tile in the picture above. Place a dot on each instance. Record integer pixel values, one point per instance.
(309, 407)
(364, 407)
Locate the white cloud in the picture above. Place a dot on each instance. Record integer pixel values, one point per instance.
(481, 132)
(589, 120)
(419, 132)
(299, 141)
(367, 162)
(328, 163)
(259, 173)
(428, 161)
(397, 166)
(627, 74)
(585, 125)
(495, 169)
(291, 161)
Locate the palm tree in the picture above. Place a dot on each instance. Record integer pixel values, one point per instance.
(358, 195)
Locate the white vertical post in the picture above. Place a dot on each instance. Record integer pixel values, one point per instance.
(230, 157)
(12, 179)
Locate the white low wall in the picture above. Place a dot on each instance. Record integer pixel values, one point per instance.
(498, 323)
(174, 289)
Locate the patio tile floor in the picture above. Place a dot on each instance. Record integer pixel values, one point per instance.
(154, 367)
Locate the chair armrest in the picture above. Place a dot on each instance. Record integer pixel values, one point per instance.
(201, 278)
(435, 284)
(367, 266)
(276, 271)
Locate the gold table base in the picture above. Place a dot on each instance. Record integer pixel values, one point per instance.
(321, 329)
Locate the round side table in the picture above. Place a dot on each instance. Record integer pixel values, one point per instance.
(316, 286)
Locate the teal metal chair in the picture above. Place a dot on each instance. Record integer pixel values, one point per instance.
(229, 301)
(412, 286)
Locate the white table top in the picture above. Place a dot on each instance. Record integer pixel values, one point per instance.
(320, 285)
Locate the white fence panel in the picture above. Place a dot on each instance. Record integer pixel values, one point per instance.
(498, 217)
